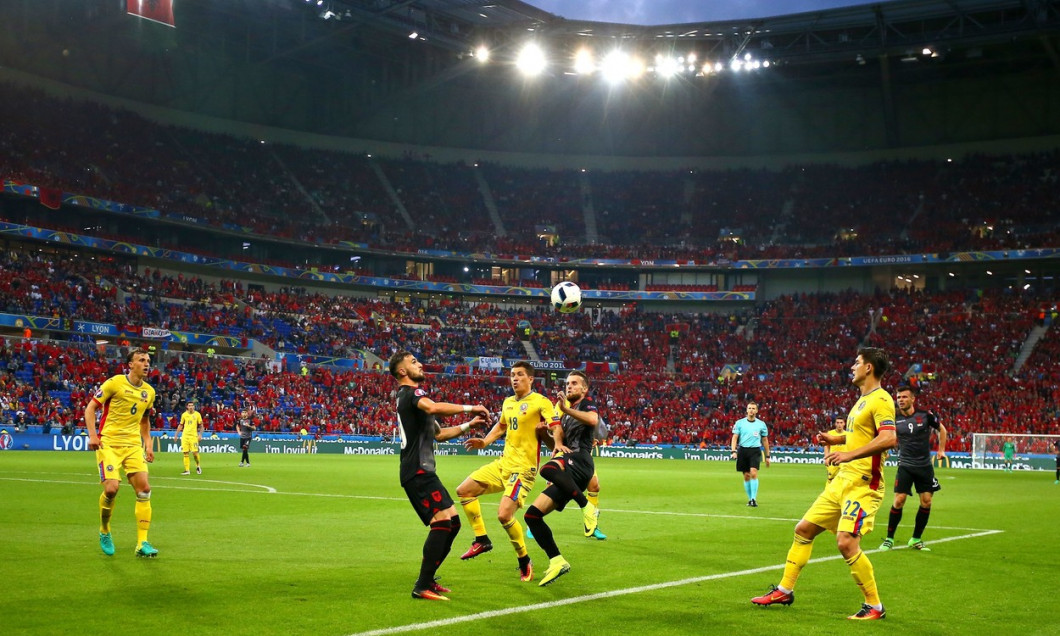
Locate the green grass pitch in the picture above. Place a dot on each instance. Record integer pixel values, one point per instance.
(329, 545)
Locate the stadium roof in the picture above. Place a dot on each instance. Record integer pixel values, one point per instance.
(870, 29)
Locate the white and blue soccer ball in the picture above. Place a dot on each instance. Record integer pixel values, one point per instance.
(567, 297)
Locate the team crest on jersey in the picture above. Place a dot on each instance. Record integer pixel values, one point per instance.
(110, 467)
(419, 393)
(523, 407)
(143, 395)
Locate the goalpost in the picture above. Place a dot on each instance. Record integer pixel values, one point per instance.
(1033, 452)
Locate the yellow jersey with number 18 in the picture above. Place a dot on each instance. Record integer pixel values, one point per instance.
(521, 417)
(124, 405)
(191, 423)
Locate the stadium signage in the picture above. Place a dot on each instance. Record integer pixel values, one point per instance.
(96, 328)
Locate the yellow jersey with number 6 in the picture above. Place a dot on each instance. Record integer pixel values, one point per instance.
(521, 417)
(124, 405)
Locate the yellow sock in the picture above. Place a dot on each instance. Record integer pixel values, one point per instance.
(143, 519)
(864, 576)
(593, 497)
(515, 533)
(473, 510)
(798, 556)
(186, 463)
(106, 508)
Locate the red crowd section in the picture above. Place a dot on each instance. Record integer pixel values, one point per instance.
(319, 196)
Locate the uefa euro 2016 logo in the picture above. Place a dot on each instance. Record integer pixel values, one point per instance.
(6, 441)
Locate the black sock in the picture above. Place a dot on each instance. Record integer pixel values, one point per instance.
(433, 552)
(542, 533)
(893, 521)
(921, 521)
(552, 472)
(454, 529)
(246, 457)
(484, 540)
(1058, 474)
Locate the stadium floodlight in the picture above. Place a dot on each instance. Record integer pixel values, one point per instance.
(414, 35)
(736, 66)
(615, 66)
(719, 67)
(583, 62)
(531, 60)
(482, 54)
(666, 66)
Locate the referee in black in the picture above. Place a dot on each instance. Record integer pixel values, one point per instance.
(418, 425)
(914, 427)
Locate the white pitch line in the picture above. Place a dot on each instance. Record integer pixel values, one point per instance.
(269, 490)
(445, 622)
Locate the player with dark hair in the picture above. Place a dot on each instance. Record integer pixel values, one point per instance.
(245, 427)
(189, 430)
(838, 430)
(749, 436)
(419, 428)
(123, 442)
(569, 471)
(514, 473)
(913, 427)
(849, 502)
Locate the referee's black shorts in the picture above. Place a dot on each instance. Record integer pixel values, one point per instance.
(748, 457)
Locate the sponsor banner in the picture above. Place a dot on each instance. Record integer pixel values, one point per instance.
(34, 441)
(544, 365)
(33, 322)
(154, 332)
(490, 363)
(95, 328)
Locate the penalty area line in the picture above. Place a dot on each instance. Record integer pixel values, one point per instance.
(445, 622)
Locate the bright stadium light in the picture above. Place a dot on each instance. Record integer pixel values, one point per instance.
(583, 62)
(531, 60)
(482, 54)
(615, 66)
(666, 66)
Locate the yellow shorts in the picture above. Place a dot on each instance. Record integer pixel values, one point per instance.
(189, 445)
(515, 484)
(846, 505)
(111, 458)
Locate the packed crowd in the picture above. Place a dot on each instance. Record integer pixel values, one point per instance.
(976, 203)
(680, 378)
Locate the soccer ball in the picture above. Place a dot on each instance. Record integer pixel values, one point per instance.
(567, 297)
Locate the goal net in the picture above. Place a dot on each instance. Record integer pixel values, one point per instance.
(1031, 452)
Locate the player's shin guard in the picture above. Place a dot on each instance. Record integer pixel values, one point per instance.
(434, 549)
(454, 529)
(555, 474)
(106, 509)
(143, 515)
(515, 534)
(861, 570)
(798, 557)
(893, 520)
(542, 533)
(921, 521)
(187, 463)
(473, 510)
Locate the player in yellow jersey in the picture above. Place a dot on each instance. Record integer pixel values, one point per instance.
(514, 473)
(849, 502)
(839, 430)
(123, 441)
(190, 430)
